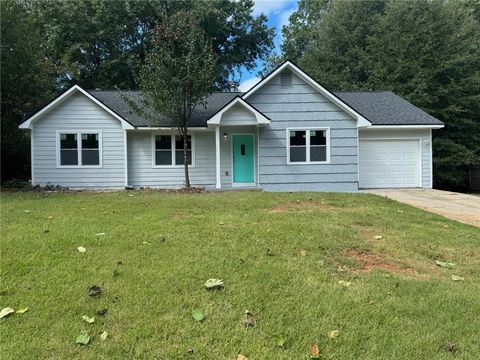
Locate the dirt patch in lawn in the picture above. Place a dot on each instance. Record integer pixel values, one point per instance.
(300, 206)
(371, 261)
(179, 216)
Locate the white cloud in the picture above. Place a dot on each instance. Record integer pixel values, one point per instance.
(248, 84)
(268, 7)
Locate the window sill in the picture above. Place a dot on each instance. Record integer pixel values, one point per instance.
(79, 166)
(171, 166)
(308, 163)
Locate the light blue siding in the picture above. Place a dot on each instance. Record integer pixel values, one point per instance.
(78, 113)
(302, 106)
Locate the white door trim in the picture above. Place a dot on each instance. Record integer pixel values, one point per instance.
(240, 184)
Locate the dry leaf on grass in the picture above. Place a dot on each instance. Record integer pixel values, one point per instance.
(83, 339)
(314, 351)
(344, 283)
(241, 357)
(249, 320)
(81, 249)
(214, 284)
(378, 237)
(89, 320)
(103, 336)
(22, 310)
(333, 334)
(6, 311)
(457, 278)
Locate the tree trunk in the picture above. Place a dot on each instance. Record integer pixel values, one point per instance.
(185, 157)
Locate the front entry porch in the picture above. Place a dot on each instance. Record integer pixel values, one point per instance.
(236, 157)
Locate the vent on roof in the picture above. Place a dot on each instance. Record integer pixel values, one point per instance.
(286, 79)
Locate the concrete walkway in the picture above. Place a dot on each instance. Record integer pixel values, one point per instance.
(456, 206)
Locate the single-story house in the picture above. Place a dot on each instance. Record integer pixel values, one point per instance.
(287, 133)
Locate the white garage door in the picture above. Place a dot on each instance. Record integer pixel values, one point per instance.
(389, 163)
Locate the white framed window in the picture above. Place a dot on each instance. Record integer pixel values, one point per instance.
(167, 150)
(308, 146)
(79, 148)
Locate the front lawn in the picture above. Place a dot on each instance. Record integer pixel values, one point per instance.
(281, 257)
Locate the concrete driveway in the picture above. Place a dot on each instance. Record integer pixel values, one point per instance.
(456, 206)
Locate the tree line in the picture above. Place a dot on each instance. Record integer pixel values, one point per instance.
(425, 51)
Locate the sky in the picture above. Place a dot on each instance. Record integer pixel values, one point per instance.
(277, 12)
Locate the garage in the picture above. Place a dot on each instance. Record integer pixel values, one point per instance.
(388, 163)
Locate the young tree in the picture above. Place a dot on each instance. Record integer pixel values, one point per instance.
(179, 73)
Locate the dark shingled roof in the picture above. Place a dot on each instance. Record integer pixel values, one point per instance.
(118, 101)
(379, 107)
(386, 108)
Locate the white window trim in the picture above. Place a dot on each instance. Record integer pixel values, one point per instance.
(307, 144)
(79, 149)
(172, 150)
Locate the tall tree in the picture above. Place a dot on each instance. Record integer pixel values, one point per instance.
(425, 51)
(179, 73)
(103, 43)
(27, 81)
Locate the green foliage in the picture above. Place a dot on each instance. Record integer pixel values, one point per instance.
(103, 44)
(26, 82)
(179, 72)
(426, 51)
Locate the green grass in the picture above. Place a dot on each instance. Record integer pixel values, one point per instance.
(406, 314)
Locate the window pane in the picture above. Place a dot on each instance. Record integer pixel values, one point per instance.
(179, 157)
(90, 157)
(298, 154)
(89, 141)
(298, 138)
(68, 141)
(179, 142)
(163, 142)
(163, 157)
(318, 137)
(318, 153)
(68, 157)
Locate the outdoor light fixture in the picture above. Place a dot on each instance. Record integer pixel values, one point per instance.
(225, 136)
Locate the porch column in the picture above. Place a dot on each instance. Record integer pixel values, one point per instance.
(218, 184)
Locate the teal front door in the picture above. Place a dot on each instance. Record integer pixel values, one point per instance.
(243, 159)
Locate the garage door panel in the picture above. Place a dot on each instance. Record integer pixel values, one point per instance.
(395, 164)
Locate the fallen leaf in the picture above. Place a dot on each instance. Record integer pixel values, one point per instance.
(457, 278)
(269, 253)
(400, 211)
(198, 315)
(50, 217)
(333, 334)
(89, 320)
(221, 223)
(314, 351)
(378, 237)
(241, 357)
(303, 253)
(212, 284)
(83, 339)
(22, 310)
(249, 320)
(145, 243)
(27, 211)
(100, 234)
(280, 340)
(103, 336)
(450, 346)
(81, 249)
(95, 291)
(344, 283)
(444, 264)
(6, 311)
